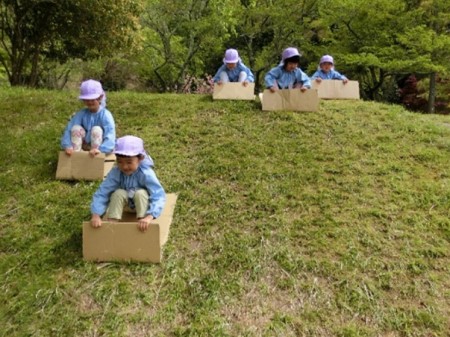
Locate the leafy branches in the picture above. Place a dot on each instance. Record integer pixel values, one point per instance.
(180, 34)
(36, 30)
(384, 38)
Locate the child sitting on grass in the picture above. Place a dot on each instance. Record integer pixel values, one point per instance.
(287, 75)
(326, 71)
(233, 70)
(131, 185)
(92, 128)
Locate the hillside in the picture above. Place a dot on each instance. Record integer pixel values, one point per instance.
(333, 223)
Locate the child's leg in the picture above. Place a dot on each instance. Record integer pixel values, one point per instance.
(141, 202)
(224, 77)
(96, 137)
(242, 76)
(116, 204)
(77, 134)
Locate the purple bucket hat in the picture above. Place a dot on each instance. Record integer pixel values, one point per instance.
(289, 52)
(327, 59)
(231, 56)
(91, 89)
(129, 146)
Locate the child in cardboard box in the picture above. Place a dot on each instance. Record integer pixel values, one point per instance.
(92, 128)
(287, 75)
(131, 185)
(326, 71)
(233, 70)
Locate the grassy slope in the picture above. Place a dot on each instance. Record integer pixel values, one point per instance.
(318, 224)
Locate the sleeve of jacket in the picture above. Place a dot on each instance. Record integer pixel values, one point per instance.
(109, 133)
(217, 75)
(338, 76)
(304, 79)
(250, 77)
(270, 77)
(66, 141)
(315, 75)
(100, 200)
(157, 195)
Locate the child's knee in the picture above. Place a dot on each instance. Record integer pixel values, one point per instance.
(119, 194)
(117, 202)
(96, 136)
(242, 76)
(141, 195)
(97, 131)
(78, 131)
(224, 77)
(77, 134)
(141, 202)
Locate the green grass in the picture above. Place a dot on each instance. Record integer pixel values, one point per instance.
(333, 223)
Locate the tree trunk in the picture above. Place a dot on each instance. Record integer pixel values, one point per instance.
(34, 74)
(432, 93)
(377, 80)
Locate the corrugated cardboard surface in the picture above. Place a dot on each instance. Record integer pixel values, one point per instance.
(123, 241)
(234, 90)
(290, 99)
(81, 166)
(335, 89)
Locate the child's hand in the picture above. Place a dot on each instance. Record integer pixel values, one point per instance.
(245, 83)
(96, 221)
(144, 222)
(94, 152)
(345, 81)
(318, 80)
(219, 82)
(273, 89)
(303, 89)
(68, 151)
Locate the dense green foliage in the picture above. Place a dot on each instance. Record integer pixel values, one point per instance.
(378, 43)
(35, 33)
(161, 45)
(333, 223)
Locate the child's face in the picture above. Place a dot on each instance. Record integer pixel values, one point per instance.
(231, 65)
(128, 165)
(291, 66)
(326, 66)
(92, 104)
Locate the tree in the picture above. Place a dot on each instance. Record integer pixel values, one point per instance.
(384, 38)
(436, 15)
(33, 31)
(267, 27)
(180, 36)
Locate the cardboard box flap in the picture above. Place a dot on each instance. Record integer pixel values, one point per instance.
(290, 99)
(234, 90)
(81, 166)
(166, 216)
(336, 89)
(123, 241)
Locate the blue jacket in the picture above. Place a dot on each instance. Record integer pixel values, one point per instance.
(233, 74)
(285, 79)
(88, 120)
(331, 75)
(143, 178)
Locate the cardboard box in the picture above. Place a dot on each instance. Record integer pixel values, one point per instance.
(290, 99)
(81, 166)
(335, 89)
(234, 90)
(123, 241)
